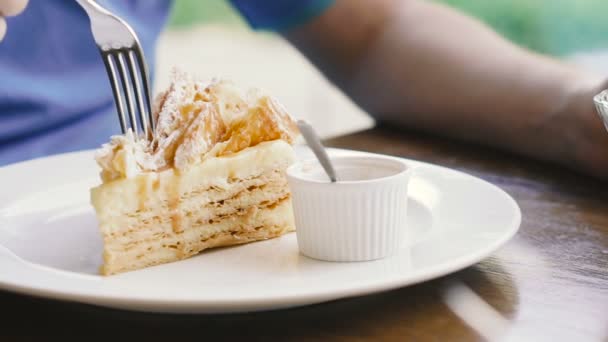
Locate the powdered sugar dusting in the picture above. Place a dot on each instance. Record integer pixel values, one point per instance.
(195, 120)
(124, 156)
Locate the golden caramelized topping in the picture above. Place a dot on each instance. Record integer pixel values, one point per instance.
(195, 121)
(266, 120)
(204, 131)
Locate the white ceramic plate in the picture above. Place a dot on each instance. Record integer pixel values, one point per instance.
(50, 246)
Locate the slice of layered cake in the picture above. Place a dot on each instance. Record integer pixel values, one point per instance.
(213, 174)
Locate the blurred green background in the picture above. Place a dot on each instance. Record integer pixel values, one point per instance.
(557, 27)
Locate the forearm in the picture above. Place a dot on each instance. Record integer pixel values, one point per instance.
(426, 66)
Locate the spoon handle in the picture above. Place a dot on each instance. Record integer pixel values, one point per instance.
(313, 141)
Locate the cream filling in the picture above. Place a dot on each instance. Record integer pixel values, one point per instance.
(124, 195)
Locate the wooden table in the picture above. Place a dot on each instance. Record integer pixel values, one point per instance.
(549, 283)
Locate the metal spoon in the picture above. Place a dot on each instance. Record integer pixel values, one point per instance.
(313, 141)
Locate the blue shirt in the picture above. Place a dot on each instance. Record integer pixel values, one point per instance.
(54, 91)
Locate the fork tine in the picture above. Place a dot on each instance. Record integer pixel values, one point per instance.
(126, 86)
(111, 70)
(120, 45)
(134, 71)
(139, 55)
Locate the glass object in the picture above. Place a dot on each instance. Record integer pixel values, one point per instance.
(601, 103)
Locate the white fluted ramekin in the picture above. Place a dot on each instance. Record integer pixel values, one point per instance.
(361, 217)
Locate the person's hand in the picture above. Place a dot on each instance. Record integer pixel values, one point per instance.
(9, 8)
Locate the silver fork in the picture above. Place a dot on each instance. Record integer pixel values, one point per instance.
(124, 59)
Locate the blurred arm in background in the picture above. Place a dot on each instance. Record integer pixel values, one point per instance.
(425, 66)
